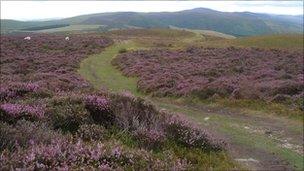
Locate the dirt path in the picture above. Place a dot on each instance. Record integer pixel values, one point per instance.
(257, 141)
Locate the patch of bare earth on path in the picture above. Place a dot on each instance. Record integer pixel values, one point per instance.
(254, 158)
(257, 159)
(273, 128)
(277, 136)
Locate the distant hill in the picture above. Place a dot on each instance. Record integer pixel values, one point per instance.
(232, 23)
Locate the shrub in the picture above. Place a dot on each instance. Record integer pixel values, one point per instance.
(151, 139)
(14, 90)
(12, 112)
(25, 133)
(56, 155)
(26, 66)
(6, 93)
(186, 133)
(123, 50)
(99, 108)
(90, 132)
(64, 154)
(68, 114)
(132, 113)
(254, 73)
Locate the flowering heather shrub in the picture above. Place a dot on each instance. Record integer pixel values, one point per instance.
(241, 73)
(150, 139)
(123, 50)
(17, 90)
(9, 112)
(190, 135)
(133, 113)
(25, 133)
(97, 103)
(46, 60)
(56, 155)
(150, 127)
(90, 132)
(299, 100)
(99, 108)
(44, 70)
(68, 113)
(66, 154)
(6, 93)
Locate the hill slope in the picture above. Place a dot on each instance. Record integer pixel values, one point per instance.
(234, 23)
(275, 41)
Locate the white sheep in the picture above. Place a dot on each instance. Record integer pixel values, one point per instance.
(67, 38)
(27, 38)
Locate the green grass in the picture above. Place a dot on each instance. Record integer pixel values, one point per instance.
(71, 28)
(152, 33)
(262, 107)
(97, 69)
(200, 159)
(233, 127)
(254, 107)
(207, 33)
(279, 41)
(287, 41)
(158, 38)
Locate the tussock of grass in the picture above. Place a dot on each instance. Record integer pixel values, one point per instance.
(199, 158)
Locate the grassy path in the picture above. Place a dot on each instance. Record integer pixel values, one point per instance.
(98, 70)
(250, 141)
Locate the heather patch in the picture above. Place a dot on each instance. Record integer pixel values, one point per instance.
(151, 139)
(13, 112)
(100, 110)
(90, 132)
(45, 62)
(243, 73)
(66, 154)
(68, 114)
(25, 133)
(190, 135)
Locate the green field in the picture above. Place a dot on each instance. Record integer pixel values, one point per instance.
(280, 41)
(71, 28)
(225, 118)
(207, 33)
(289, 41)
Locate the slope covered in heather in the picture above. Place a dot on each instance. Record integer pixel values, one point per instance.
(51, 118)
(262, 135)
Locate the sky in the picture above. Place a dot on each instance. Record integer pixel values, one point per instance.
(33, 10)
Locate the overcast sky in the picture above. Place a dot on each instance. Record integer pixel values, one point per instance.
(32, 10)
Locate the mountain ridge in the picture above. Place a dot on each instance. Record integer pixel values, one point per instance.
(234, 23)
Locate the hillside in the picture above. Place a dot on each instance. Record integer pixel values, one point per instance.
(292, 41)
(275, 41)
(262, 135)
(233, 23)
(52, 114)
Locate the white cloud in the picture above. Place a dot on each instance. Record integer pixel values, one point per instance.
(28, 10)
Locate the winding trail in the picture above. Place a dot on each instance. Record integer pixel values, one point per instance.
(257, 141)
